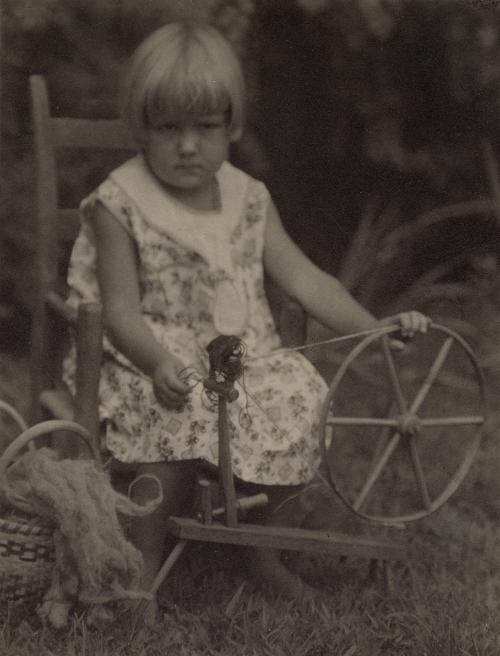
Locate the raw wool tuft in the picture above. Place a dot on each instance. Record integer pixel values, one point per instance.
(94, 561)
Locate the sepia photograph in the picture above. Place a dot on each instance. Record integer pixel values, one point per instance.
(250, 327)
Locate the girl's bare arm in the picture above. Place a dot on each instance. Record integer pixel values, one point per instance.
(119, 287)
(321, 294)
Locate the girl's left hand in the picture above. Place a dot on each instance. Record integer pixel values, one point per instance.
(410, 322)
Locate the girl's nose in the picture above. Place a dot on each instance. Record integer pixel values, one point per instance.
(188, 140)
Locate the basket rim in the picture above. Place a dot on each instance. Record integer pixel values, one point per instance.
(26, 521)
(44, 428)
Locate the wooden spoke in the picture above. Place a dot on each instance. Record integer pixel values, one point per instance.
(396, 385)
(362, 421)
(471, 420)
(419, 473)
(377, 469)
(382, 439)
(432, 375)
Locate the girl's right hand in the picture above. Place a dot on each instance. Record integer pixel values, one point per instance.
(168, 386)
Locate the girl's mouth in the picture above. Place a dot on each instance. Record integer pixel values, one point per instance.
(189, 167)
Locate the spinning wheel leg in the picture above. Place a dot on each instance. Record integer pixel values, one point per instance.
(173, 557)
(265, 565)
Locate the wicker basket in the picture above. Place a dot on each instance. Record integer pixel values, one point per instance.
(26, 558)
(27, 551)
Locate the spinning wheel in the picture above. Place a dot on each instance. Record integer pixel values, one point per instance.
(387, 447)
(410, 461)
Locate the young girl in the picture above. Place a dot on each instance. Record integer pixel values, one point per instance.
(174, 243)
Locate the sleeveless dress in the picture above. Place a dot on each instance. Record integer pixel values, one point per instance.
(200, 275)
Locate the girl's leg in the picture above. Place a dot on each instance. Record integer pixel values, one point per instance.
(284, 509)
(149, 533)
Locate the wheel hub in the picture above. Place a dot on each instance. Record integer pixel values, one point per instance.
(409, 425)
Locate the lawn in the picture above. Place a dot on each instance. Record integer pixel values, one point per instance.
(446, 601)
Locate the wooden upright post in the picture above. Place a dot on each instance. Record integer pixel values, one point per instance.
(225, 467)
(225, 353)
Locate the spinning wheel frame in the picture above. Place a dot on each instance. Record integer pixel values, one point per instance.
(406, 425)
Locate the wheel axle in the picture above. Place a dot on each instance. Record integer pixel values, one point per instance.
(409, 425)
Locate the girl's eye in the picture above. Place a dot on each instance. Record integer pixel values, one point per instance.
(211, 124)
(167, 127)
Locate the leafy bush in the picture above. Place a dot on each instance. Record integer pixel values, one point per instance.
(357, 109)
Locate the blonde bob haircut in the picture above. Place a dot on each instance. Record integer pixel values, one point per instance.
(183, 68)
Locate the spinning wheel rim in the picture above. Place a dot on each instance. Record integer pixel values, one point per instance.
(471, 450)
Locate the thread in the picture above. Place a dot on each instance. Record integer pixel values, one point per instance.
(332, 340)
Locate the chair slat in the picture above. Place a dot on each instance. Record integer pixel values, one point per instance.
(91, 133)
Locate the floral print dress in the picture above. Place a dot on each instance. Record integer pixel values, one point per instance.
(200, 275)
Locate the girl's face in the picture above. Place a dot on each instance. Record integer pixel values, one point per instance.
(185, 153)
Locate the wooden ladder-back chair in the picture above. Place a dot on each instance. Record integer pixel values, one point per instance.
(56, 229)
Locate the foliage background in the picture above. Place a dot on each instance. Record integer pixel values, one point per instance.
(363, 108)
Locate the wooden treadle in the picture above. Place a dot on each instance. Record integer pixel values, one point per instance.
(329, 542)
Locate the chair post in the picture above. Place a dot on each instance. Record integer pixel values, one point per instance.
(89, 334)
(44, 350)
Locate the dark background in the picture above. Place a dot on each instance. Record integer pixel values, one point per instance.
(369, 121)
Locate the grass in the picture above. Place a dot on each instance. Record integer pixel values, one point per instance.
(446, 602)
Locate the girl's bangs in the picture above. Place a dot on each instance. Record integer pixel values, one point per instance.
(184, 93)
